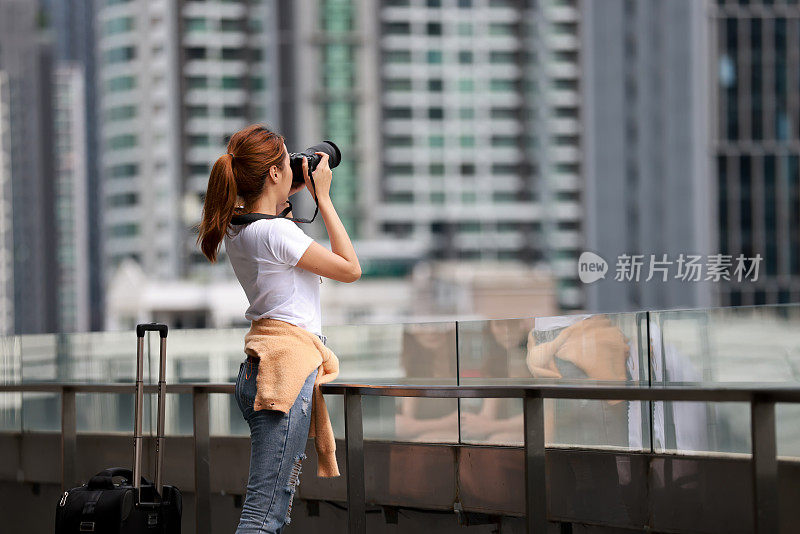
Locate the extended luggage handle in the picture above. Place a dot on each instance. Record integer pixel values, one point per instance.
(137, 432)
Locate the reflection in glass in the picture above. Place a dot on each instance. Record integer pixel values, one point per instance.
(600, 348)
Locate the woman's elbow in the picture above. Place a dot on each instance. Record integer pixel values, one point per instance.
(354, 274)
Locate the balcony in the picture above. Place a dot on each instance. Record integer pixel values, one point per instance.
(644, 421)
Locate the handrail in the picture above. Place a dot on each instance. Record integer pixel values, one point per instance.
(762, 401)
(762, 429)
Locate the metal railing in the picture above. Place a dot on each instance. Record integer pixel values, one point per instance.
(762, 402)
(762, 429)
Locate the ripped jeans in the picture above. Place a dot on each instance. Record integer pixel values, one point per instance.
(277, 448)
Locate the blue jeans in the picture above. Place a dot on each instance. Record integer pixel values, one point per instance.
(277, 449)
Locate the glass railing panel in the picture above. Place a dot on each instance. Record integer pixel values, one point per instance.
(10, 373)
(41, 412)
(746, 346)
(414, 353)
(576, 349)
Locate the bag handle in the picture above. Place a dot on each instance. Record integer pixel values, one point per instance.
(104, 479)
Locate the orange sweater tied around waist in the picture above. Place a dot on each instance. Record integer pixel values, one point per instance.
(289, 353)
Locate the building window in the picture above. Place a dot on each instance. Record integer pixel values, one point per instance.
(434, 56)
(434, 28)
(399, 85)
(436, 141)
(397, 28)
(120, 142)
(122, 200)
(196, 52)
(197, 82)
(397, 56)
(118, 25)
(196, 24)
(231, 82)
(121, 113)
(398, 113)
(465, 57)
(435, 85)
(436, 114)
(125, 170)
(121, 83)
(124, 230)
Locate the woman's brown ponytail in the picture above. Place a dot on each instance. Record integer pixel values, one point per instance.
(242, 172)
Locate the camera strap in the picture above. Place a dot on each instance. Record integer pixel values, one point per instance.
(247, 218)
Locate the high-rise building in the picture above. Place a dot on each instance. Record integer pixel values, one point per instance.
(176, 79)
(6, 212)
(26, 64)
(72, 25)
(72, 224)
(437, 105)
(648, 189)
(755, 144)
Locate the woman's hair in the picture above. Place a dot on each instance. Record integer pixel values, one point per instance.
(242, 172)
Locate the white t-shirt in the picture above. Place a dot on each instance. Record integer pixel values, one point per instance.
(264, 256)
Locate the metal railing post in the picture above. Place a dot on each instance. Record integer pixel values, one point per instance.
(69, 448)
(764, 465)
(354, 444)
(535, 483)
(202, 475)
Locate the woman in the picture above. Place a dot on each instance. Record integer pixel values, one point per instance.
(278, 266)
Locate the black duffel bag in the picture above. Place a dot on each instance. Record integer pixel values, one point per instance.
(104, 507)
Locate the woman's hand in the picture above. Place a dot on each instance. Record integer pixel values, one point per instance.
(322, 177)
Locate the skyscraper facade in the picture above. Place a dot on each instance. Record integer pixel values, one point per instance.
(176, 79)
(646, 153)
(72, 26)
(756, 144)
(26, 64)
(71, 204)
(438, 105)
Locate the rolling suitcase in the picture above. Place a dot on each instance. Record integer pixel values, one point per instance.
(135, 505)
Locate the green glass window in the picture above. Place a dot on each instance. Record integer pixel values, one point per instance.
(465, 57)
(197, 82)
(502, 86)
(434, 56)
(399, 85)
(124, 170)
(118, 25)
(501, 28)
(120, 54)
(232, 82)
(121, 113)
(436, 141)
(196, 24)
(122, 141)
(397, 56)
(466, 113)
(124, 230)
(466, 85)
(466, 141)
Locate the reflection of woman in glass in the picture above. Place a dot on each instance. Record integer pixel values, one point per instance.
(427, 355)
(503, 347)
(580, 347)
